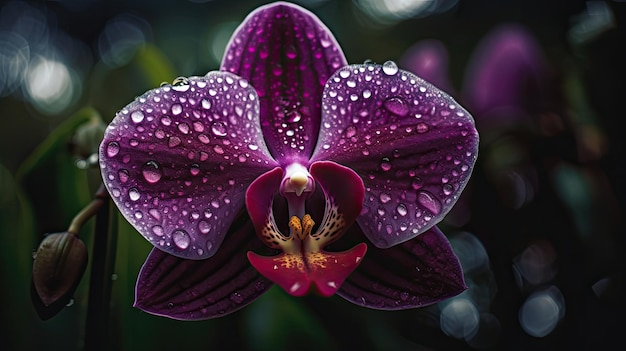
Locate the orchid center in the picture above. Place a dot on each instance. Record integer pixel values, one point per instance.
(304, 266)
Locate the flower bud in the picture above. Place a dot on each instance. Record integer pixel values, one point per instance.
(60, 262)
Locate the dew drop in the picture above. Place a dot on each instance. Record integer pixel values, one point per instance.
(151, 172)
(123, 175)
(253, 147)
(183, 128)
(390, 68)
(194, 170)
(236, 297)
(384, 198)
(204, 227)
(417, 183)
(218, 149)
(134, 194)
(367, 93)
(218, 129)
(429, 201)
(397, 106)
(137, 116)
(174, 141)
(113, 148)
(206, 104)
(180, 84)
(181, 238)
(402, 210)
(177, 109)
(158, 230)
(448, 189)
(385, 164)
(350, 131)
(421, 128)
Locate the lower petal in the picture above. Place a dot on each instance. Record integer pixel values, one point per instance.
(202, 289)
(416, 273)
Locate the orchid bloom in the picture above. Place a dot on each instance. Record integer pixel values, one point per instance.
(290, 143)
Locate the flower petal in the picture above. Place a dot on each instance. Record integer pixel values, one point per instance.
(416, 273)
(178, 159)
(287, 54)
(412, 144)
(202, 289)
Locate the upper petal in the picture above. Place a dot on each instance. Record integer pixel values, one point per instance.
(412, 144)
(287, 54)
(178, 159)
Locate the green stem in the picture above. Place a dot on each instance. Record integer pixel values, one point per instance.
(97, 333)
(89, 211)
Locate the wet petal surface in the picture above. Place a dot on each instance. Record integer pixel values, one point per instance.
(202, 289)
(412, 144)
(417, 273)
(178, 159)
(287, 54)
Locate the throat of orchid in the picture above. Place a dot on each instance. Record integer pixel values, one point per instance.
(304, 266)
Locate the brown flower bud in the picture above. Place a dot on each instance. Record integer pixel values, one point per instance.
(60, 262)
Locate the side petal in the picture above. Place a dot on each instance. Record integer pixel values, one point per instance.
(413, 145)
(178, 159)
(287, 54)
(202, 289)
(416, 273)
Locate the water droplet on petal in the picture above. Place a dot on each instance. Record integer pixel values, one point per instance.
(390, 68)
(181, 238)
(236, 297)
(429, 201)
(183, 128)
(137, 116)
(158, 230)
(206, 104)
(384, 198)
(421, 128)
(180, 84)
(218, 129)
(385, 164)
(174, 141)
(134, 194)
(177, 109)
(151, 172)
(350, 131)
(113, 148)
(194, 170)
(204, 227)
(123, 175)
(397, 106)
(402, 210)
(448, 189)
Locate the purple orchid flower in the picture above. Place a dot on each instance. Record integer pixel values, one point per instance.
(289, 142)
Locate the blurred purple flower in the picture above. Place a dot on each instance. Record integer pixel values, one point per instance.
(507, 86)
(290, 132)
